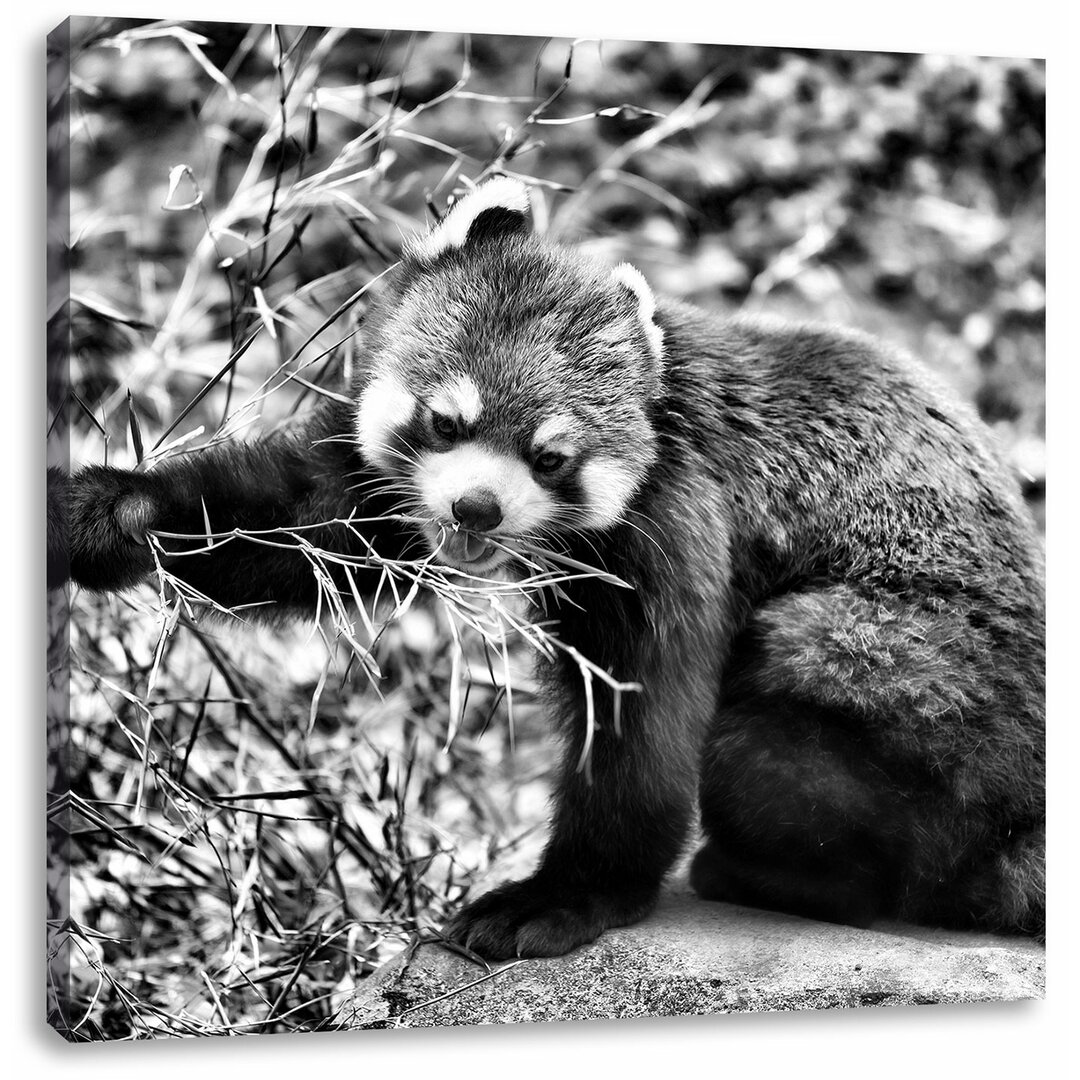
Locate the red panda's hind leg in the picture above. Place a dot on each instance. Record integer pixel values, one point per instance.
(877, 753)
(795, 822)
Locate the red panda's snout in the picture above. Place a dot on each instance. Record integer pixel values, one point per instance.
(480, 498)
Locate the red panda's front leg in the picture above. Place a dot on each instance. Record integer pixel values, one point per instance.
(254, 499)
(618, 825)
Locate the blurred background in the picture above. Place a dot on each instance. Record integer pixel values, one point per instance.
(252, 828)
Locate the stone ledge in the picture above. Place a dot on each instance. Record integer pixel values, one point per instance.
(691, 957)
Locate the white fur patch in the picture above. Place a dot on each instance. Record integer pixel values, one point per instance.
(454, 228)
(635, 281)
(459, 399)
(443, 478)
(556, 432)
(608, 485)
(384, 405)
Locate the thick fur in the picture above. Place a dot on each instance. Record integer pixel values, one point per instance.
(837, 594)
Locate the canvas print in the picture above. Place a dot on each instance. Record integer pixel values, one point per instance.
(538, 529)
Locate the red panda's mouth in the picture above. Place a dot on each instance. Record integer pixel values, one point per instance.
(470, 552)
(463, 547)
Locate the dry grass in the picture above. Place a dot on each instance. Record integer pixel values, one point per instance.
(250, 838)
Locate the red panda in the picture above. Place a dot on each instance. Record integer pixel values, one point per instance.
(836, 594)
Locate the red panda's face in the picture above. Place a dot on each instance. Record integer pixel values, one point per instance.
(510, 387)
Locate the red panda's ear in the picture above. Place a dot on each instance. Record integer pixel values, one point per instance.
(496, 209)
(634, 281)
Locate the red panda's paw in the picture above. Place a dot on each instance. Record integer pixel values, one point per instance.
(536, 917)
(108, 516)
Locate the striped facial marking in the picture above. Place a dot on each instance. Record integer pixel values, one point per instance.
(607, 485)
(385, 406)
(559, 433)
(458, 399)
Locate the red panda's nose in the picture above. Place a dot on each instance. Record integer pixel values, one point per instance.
(478, 511)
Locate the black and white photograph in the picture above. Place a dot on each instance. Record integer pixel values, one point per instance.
(539, 529)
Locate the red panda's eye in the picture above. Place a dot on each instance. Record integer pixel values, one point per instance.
(446, 426)
(548, 462)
